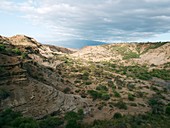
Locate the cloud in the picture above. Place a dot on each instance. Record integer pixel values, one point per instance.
(103, 20)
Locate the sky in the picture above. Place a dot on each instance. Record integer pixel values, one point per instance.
(97, 20)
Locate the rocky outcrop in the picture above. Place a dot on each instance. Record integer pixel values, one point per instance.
(156, 56)
(24, 41)
(35, 87)
(37, 94)
(38, 100)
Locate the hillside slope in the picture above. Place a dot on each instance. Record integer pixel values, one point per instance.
(41, 80)
(149, 53)
(29, 81)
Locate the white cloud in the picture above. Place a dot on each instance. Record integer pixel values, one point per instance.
(98, 19)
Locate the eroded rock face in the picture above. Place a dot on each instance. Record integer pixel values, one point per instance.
(24, 41)
(34, 87)
(37, 99)
(157, 56)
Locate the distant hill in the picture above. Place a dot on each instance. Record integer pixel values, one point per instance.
(77, 44)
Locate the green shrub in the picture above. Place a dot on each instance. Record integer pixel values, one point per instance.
(156, 104)
(7, 117)
(25, 122)
(167, 111)
(113, 87)
(102, 88)
(140, 72)
(24, 55)
(161, 73)
(133, 104)
(94, 94)
(105, 96)
(71, 116)
(66, 90)
(121, 105)
(85, 76)
(98, 95)
(72, 124)
(131, 87)
(88, 82)
(16, 51)
(131, 97)
(110, 83)
(117, 115)
(117, 94)
(50, 122)
(77, 81)
(80, 112)
(154, 88)
(2, 69)
(2, 47)
(130, 55)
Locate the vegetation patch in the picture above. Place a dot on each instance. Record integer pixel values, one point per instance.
(131, 97)
(130, 55)
(161, 73)
(98, 95)
(117, 94)
(121, 105)
(2, 47)
(101, 88)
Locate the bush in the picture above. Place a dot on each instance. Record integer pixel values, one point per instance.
(16, 51)
(117, 115)
(113, 87)
(131, 87)
(50, 122)
(24, 122)
(102, 88)
(80, 112)
(72, 124)
(133, 104)
(24, 55)
(105, 96)
(131, 97)
(77, 81)
(66, 90)
(167, 111)
(88, 82)
(71, 116)
(161, 73)
(117, 94)
(2, 47)
(121, 105)
(85, 76)
(7, 116)
(130, 55)
(110, 83)
(94, 94)
(156, 105)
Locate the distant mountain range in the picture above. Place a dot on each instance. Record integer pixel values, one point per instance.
(77, 44)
